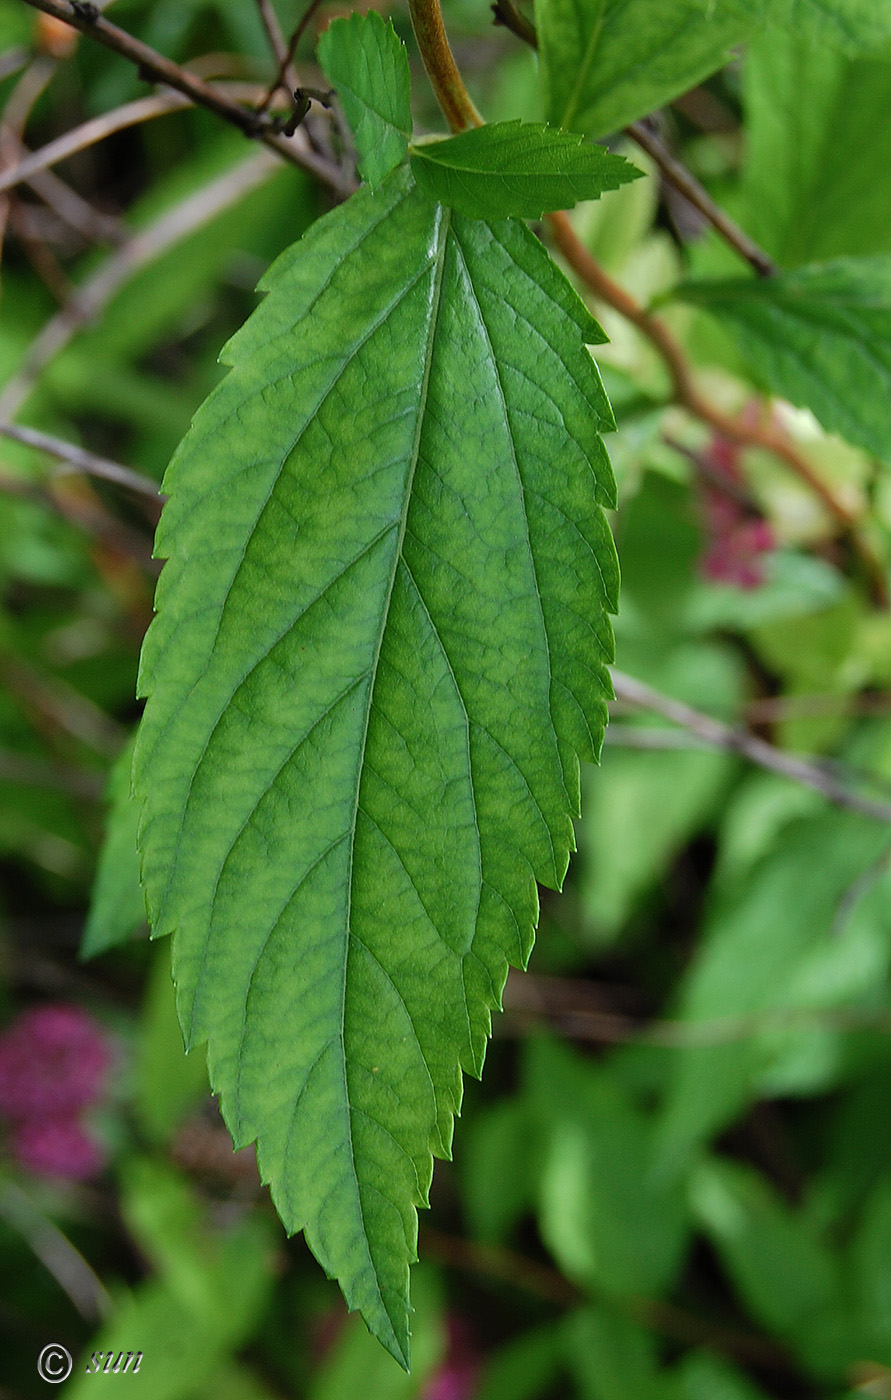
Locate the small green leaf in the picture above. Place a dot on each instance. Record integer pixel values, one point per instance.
(516, 170)
(117, 906)
(381, 645)
(819, 337)
(604, 63)
(366, 61)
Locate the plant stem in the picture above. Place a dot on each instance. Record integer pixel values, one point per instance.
(688, 396)
(447, 83)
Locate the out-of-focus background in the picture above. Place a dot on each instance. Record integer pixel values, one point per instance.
(674, 1182)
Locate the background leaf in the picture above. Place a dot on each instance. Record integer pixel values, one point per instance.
(366, 62)
(117, 907)
(516, 169)
(820, 337)
(818, 148)
(604, 63)
(359, 754)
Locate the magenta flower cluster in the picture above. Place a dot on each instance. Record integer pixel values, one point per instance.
(738, 537)
(54, 1064)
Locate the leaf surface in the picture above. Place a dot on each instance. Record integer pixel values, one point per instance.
(854, 26)
(366, 61)
(604, 63)
(117, 907)
(820, 337)
(818, 144)
(516, 170)
(381, 644)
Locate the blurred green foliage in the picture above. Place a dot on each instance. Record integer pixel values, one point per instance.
(675, 1181)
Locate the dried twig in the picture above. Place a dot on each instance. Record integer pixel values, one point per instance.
(286, 54)
(722, 736)
(79, 459)
(157, 68)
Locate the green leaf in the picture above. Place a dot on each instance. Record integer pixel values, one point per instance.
(770, 961)
(381, 644)
(604, 63)
(786, 1273)
(613, 1223)
(516, 170)
(820, 337)
(365, 60)
(818, 149)
(854, 26)
(117, 906)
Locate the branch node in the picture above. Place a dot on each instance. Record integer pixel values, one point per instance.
(86, 11)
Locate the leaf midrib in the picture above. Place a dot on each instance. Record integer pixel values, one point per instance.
(444, 219)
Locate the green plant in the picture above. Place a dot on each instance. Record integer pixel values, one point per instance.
(383, 639)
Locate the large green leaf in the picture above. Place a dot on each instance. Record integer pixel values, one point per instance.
(818, 146)
(606, 62)
(381, 644)
(366, 61)
(820, 337)
(856, 26)
(516, 170)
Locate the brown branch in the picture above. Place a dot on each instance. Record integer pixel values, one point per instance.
(723, 736)
(681, 179)
(286, 53)
(89, 132)
(575, 1008)
(687, 395)
(545, 1282)
(157, 68)
(84, 515)
(446, 81)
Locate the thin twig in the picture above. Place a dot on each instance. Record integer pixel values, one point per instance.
(772, 708)
(545, 1282)
(89, 132)
(723, 736)
(157, 68)
(680, 178)
(274, 34)
(79, 459)
(737, 429)
(571, 1005)
(56, 1252)
(84, 515)
(58, 703)
(93, 295)
(26, 92)
(79, 138)
(286, 57)
(25, 771)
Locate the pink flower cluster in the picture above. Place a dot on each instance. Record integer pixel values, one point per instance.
(738, 539)
(54, 1063)
(457, 1376)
